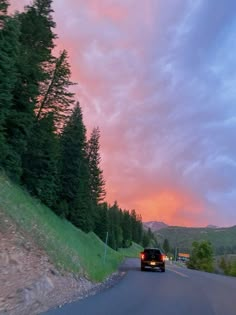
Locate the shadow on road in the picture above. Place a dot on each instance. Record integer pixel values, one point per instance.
(134, 264)
(124, 267)
(130, 264)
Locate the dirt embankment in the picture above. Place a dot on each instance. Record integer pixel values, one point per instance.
(29, 283)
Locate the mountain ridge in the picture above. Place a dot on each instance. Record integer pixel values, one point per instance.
(155, 225)
(158, 225)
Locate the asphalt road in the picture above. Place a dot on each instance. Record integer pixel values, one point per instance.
(178, 291)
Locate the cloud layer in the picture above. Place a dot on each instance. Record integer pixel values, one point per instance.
(158, 77)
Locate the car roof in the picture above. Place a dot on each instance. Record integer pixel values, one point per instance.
(152, 248)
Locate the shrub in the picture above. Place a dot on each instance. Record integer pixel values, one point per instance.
(201, 256)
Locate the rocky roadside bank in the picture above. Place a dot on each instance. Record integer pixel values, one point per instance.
(30, 284)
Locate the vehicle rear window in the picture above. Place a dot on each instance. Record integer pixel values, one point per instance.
(152, 251)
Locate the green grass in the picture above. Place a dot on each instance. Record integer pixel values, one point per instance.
(132, 251)
(68, 248)
(225, 264)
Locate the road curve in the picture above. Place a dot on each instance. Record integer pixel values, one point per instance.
(178, 291)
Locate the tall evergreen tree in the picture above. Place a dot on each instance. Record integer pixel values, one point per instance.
(37, 31)
(4, 4)
(101, 221)
(53, 102)
(166, 246)
(97, 182)
(126, 228)
(54, 94)
(148, 238)
(139, 229)
(74, 194)
(36, 43)
(9, 48)
(136, 226)
(115, 239)
(41, 161)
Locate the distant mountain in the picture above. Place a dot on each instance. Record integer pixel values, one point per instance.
(210, 226)
(154, 225)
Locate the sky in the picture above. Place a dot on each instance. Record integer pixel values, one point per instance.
(159, 79)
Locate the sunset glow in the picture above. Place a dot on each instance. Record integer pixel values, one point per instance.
(158, 78)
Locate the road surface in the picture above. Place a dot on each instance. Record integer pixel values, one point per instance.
(178, 291)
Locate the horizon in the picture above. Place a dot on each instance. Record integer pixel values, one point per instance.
(157, 79)
(193, 227)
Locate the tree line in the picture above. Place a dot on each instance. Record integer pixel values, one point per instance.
(43, 139)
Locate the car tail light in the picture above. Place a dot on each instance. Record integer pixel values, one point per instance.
(162, 257)
(142, 256)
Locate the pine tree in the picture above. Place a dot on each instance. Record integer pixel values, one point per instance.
(54, 95)
(37, 31)
(4, 95)
(101, 221)
(136, 226)
(4, 4)
(145, 240)
(148, 238)
(53, 102)
(115, 239)
(126, 228)
(166, 246)
(9, 47)
(41, 161)
(97, 182)
(74, 194)
(36, 42)
(139, 229)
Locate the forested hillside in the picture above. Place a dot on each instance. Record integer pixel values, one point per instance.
(43, 141)
(223, 240)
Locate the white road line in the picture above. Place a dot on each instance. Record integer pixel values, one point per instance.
(179, 273)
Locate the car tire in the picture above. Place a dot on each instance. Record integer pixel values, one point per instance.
(142, 268)
(163, 269)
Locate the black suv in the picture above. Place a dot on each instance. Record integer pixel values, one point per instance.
(152, 257)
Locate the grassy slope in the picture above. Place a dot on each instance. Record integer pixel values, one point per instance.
(183, 237)
(69, 248)
(132, 251)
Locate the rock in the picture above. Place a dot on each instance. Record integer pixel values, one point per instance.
(4, 259)
(38, 290)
